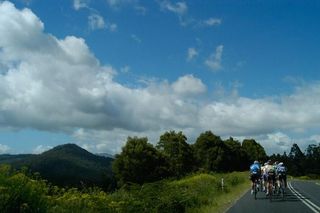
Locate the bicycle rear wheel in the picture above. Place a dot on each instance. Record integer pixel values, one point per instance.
(255, 190)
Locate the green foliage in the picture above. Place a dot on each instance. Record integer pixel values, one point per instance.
(21, 193)
(18, 193)
(177, 152)
(254, 150)
(139, 162)
(238, 159)
(214, 154)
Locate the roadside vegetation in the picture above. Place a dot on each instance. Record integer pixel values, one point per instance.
(171, 176)
(21, 193)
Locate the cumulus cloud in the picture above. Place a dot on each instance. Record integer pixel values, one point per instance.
(215, 59)
(192, 53)
(55, 84)
(188, 84)
(41, 148)
(4, 149)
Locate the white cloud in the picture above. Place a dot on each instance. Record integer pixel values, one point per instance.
(96, 22)
(179, 8)
(41, 148)
(214, 60)
(113, 27)
(212, 22)
(79, 4)
(125, 69)
(192, 53)
(55, 84)
(188, 85)
(136, 38)
(4, 149)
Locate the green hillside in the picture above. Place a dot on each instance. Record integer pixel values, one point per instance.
(65, 165)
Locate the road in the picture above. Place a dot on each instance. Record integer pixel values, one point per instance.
(301, 196)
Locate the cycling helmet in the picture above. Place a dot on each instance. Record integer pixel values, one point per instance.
(280, 164)
(255, 162)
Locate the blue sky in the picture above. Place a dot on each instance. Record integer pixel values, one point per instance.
(96, 72)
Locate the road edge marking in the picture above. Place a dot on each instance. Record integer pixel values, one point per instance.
(307, 202)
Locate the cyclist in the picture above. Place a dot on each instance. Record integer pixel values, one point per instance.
(282, 174)
(270, 175)
(255, 173)
(264, 176)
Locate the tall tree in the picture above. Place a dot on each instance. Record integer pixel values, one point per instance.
(211, 153)
(177, 153)
(237, 159)
(312, 162)
(254, 150)
(296, 160)
(139, 162)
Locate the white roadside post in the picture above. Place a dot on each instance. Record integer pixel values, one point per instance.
(222, 183)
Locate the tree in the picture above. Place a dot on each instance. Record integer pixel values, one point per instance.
(254, 150)
(312, 159)
(296, 160)
(139, 162)
(211, 153)
(237, 159)
(177, 152)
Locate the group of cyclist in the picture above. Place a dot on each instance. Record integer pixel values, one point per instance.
(269, 173)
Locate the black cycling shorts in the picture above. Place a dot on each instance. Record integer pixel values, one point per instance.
(254, 177)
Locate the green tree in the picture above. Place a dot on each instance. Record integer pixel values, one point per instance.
(237, 159)
(312, 159)
(296, 160)
(254, 150)
(139, 162)
(177, 152)
(211, 153)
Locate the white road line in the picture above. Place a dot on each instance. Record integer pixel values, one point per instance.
(307, 202)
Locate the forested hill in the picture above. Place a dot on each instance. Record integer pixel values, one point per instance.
(65, 165)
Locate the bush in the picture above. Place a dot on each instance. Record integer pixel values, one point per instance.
(19, 193)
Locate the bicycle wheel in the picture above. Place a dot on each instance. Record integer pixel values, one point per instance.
(282, 189)
(270, 190)
(255, 190)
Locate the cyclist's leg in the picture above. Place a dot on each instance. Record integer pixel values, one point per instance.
(285, 180)
(252, 182)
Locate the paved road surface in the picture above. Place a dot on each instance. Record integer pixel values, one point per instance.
(302, 196)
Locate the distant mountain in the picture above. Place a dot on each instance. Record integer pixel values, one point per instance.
(107, 155)
(66, 165)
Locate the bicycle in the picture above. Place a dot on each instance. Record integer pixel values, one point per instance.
(271, 186)
(282, 186)
(255, 189)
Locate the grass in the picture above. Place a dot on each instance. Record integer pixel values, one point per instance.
(236, 184)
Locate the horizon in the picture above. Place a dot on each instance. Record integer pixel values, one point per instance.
(94, 73)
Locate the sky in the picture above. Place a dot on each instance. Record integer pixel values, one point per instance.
(95, 72)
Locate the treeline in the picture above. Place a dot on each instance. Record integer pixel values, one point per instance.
(301, 163)
(141, 162)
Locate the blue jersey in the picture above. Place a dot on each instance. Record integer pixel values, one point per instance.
(281, 170)
(255, 168)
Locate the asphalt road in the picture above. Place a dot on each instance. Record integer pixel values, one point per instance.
(301, 196)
